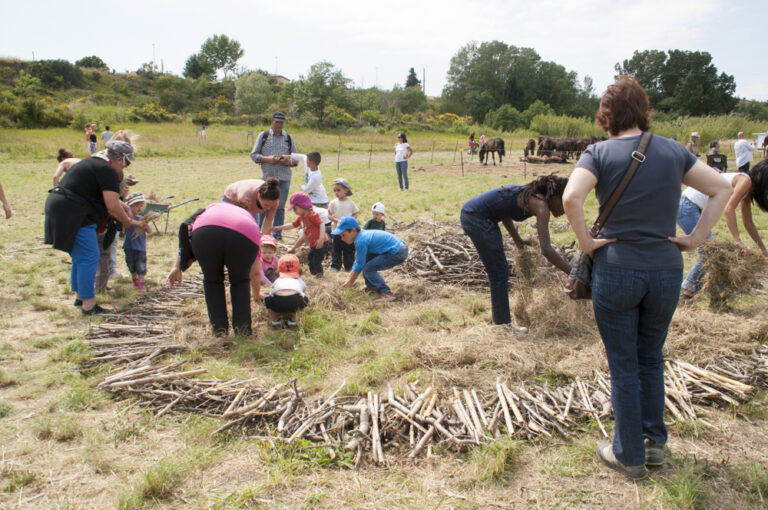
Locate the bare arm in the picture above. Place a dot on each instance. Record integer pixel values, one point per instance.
(410, 152)
(115, 208)
(287, 226)
(512, 229)
(749, 225)
(300, 241)
(741, 187)
(541, 210)
(581, 182)
(712, 184)
(256, 279)
(266, 226)
(6, 205)
(351, 279)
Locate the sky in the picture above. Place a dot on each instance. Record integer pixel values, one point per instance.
(375, 43)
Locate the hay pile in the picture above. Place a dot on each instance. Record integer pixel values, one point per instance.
(541, 305)
(731, 271)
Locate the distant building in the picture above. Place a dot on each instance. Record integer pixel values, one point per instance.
(282, 80)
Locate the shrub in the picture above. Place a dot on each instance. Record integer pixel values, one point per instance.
(151, 112)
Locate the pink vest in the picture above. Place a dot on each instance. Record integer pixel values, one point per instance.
(222, 214)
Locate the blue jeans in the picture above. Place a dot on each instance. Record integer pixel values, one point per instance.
(378, 262)
(136, 261)
(285, 187)
(633, 310)
(687, 217)
(486, 236)
(402, 173)
(85, 259)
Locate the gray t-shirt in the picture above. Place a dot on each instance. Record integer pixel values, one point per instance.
(645, 215)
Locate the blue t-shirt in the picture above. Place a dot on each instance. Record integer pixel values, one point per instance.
(138, 244)
(645, 215)
(374, 241)
(497, 204)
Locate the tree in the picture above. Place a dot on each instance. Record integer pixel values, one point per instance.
(683, 82)
(506, 118)
(412, 80)
(323, 86)
(254, 93)
(485, 76)
(222, 53)
(197, 66)
(409, 99)
(93, 62)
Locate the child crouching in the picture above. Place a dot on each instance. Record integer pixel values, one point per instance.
(287, 295)
(268, 260)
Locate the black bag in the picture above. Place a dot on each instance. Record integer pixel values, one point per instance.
(580, 278)
(186, 256)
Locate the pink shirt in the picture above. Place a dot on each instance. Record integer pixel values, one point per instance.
(265, 266)
(222, 214)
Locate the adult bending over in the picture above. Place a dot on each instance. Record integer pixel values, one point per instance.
(747, 188)
(481, 215)
(80, 203)
(222, 235)
(66, 159)
(637, 264)
(257, 197)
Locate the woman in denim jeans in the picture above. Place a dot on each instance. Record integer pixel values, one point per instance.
(480, 217)
(637, 264)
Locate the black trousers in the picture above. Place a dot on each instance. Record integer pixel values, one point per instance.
(342, 253)
(315, 259)
(216, 248)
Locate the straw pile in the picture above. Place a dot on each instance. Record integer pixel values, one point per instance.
(731, 271)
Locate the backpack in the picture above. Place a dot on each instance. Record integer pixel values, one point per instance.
(265, 134)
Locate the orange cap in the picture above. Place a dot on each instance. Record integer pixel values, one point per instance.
(288, 266)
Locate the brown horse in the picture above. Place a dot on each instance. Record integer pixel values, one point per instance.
(530, 147)
(493, 146)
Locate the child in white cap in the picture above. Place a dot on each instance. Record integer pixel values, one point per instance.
(135, 243)
(377, 222)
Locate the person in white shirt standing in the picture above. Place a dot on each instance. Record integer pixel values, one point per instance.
(106, 135)
(313, 178)
(743, 150)
(403, 151)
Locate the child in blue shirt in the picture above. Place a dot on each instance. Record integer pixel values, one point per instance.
(375, 250)
(135, 243)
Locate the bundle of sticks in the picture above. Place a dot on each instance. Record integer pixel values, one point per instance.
(410, 421)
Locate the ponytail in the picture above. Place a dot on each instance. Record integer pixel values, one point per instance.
(270, 190)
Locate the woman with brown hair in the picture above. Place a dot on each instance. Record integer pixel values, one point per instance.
(637, 263)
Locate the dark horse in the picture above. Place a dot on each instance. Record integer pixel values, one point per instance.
(492, 147)
(530, 147)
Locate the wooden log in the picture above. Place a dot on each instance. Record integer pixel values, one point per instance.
(440, 267)
(505, 409)
(157, 378)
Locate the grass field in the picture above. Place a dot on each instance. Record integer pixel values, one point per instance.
(67, 445)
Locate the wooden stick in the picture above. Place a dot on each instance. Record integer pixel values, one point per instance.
(503, 402)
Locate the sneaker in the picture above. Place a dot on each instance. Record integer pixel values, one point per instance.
(96, 310)
(387, 296)
(654, 453)
(606, 456)
(369, 290)
(290, 323)
(78, 302)
(140, 285)
(115, 274)
(517, 330)
(335, 269)
(276, 324)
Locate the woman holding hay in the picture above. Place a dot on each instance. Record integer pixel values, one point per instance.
(637, 263)
(747, 188)
(480, 217)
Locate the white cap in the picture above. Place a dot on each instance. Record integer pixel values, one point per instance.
(378, 207)
(695, 134)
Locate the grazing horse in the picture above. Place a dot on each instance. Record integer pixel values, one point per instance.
(530, 147)
(546, 146)
(492, 147)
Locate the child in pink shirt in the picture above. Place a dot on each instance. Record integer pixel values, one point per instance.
(268, 260)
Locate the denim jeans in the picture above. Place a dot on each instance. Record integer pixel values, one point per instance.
(285, 187)
(487, 238)
(85, 259)
(378, 262)
(633, 310)
(402, 173)
(687, 217)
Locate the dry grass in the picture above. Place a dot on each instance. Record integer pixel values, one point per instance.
(731, 271)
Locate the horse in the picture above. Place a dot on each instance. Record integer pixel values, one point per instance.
(530, 147)
(492, 146)
(546, 146)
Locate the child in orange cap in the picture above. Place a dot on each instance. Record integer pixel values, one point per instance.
(287, 295)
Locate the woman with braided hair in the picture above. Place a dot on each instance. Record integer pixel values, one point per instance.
(480, 217)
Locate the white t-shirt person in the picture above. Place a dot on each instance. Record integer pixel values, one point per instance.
(314, 186)
(401, 151)
(743, 150)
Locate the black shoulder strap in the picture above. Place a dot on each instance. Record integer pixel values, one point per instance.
(264, 141)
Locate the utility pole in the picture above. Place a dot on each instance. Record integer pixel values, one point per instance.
(154, 66)
(377, 77)
(424, 79)
(275, 65)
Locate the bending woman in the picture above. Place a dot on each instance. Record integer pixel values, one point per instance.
(480, 217)
(747, 188)
(256, 196)
(222, 235)
(637, 264)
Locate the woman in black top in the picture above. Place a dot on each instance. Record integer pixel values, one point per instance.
(81, 202)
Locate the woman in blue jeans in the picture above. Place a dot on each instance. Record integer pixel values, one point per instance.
(403, 151)
(637, 264)
(480, 217)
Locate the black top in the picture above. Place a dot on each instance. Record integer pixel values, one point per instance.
(87, 179)
(497, 204)
(92, 137)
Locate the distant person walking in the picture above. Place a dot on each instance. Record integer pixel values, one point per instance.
(272, 150)
(693, 144)
(106, 135)
(403, 151)
(743, 150)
